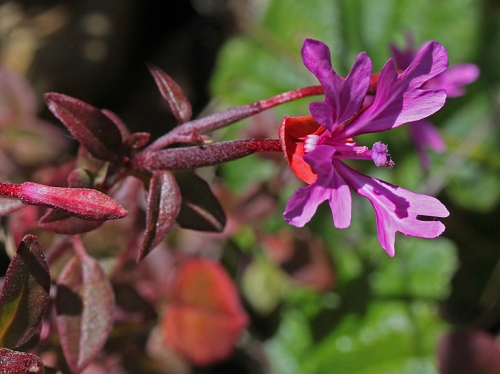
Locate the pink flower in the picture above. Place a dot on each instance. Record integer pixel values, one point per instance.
(423, 133)
(314, 145)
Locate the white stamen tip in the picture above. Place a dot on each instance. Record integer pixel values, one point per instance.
(310, 143)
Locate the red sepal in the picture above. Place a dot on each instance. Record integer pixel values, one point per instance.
(292, 134)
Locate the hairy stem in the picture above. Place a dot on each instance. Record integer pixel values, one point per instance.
(227, 117)
(199, 156)
(9, 189)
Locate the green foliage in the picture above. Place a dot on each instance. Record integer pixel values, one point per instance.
(383, 314)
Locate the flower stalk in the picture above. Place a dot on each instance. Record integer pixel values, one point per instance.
(190, 131)
(200, 156)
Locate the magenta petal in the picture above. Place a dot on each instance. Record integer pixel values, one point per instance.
(400, 98)
(329, 186)
(396, 209)
(454, 79)
(343, 97)
(424, 134)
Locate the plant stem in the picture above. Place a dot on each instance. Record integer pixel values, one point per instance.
(191, 129)
(199, 156)
(9, 189)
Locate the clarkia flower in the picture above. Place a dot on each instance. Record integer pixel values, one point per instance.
(315, 145)
(423, 133)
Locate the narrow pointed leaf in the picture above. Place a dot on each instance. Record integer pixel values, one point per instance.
(63, 223)
(25, 294)
(200, 209)
(93, 129)
(84, 306)
(20, 362)
(172, 93)
(164, 204)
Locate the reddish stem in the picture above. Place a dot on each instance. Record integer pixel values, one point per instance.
(207, 155)
(9, 189)
(221, 119)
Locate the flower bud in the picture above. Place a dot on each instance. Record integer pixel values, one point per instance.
(84, 203)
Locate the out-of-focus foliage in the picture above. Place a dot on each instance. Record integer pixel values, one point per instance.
(383, 315)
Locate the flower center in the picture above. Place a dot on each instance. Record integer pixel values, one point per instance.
(349, 149)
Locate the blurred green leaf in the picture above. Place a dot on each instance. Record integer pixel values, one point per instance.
(392, 337)
(421, 269)
(262, 285)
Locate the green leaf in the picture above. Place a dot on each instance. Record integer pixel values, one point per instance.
(84, 305)
(25, 294)
(263, 285)
(392, 337)
(419, 270)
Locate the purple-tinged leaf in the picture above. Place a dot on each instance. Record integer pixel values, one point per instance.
(25, 294)
(20, 362)
(9, 205)
(164, 204)
(84, 307)
(62, 223)
(200, 209)
(85, 203)
(172, 93)
(93, 129)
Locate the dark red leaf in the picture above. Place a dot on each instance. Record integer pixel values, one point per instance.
(93, 129)
(464, 352)
(200, 209)
(20, 362)
(62, 223)
(164, 204)
(124, 131)
(85, 203)
(84, 306)
(172, 93)
(25, 294)
(132, 303)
